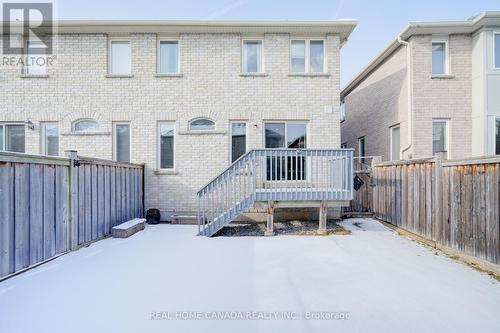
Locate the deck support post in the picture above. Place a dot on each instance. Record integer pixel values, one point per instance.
(323, 211)
(270, 219)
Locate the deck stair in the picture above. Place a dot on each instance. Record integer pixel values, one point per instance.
(263, 175)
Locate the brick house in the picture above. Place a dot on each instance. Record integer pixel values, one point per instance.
(184, 97)
(434, 88)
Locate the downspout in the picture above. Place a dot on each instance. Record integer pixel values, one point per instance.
(410, 94)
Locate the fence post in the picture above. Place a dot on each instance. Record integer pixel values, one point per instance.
(375, 188)
(73, 199)
(438, 171)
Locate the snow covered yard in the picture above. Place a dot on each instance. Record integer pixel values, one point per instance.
(385, 282)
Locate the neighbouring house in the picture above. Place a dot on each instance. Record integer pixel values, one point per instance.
(434, 89)
(187, 98)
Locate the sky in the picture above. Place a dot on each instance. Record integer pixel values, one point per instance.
(380, 21)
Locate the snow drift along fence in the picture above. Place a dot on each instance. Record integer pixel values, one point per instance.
(51, 205)
(453, 203)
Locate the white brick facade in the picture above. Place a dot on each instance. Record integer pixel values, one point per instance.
(210, 86)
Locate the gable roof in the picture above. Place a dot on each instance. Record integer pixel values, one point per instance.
(469, 26)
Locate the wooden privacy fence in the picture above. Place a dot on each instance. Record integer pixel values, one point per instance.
(453, 203)
(51, 205)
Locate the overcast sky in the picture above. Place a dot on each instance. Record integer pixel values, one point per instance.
(379, 20)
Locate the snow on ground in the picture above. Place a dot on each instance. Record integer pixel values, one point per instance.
(386, 283)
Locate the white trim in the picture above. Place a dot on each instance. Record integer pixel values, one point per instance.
(446, 42)
(199, 130)
(158, 145)
(495, 33)
(129, 139)
(307, 55)
(158, 43)
(242, 53)
(231, 122)
(43, 147)
(447, 134)
(391, 130)
(4, 124)
(110, 42)
(26, 68)
(73, 124)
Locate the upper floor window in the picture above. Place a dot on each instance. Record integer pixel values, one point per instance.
(252, 56)
(168, 57)
(202, 124)
(439, 57)
(36, 63)
(12, 137)
(497, 49)
(86, 125)
(119, 57)
(307, 56)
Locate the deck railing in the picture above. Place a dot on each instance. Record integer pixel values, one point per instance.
(274, 175)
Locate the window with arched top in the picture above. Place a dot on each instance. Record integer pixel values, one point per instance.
(202, 124)
(85, 125)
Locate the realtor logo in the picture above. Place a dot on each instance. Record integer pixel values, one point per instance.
(27, 22)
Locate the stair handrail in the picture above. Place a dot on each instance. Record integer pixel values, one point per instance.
(223, 172)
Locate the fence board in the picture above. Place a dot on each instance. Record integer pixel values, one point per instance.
(36, 219)
(49, 218)
(6, 218)
(61, 209)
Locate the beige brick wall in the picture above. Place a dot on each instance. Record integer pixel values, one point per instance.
(376, 104)
(380, 101)
(211, 86)
(449, 98)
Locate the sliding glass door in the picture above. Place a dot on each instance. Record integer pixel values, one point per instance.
(285, 135)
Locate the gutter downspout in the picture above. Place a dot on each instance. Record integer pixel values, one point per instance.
(410, 95)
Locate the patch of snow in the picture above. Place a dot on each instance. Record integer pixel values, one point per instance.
(385, 282)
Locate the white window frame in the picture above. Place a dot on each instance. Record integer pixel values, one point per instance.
(495, 33)
(5, 134)
(158, 144)
(43, 128)
(231, 137)
(361, 138)
(110, 56)
(342, 111)
(115, 155)
(73, 125)
(447, 138)
(446, 42)
(262, 62)
(158, 54)
(286, 122)
(307, 56)
(497, 118)
(26, 67)
(201, 130)
(391, 130)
